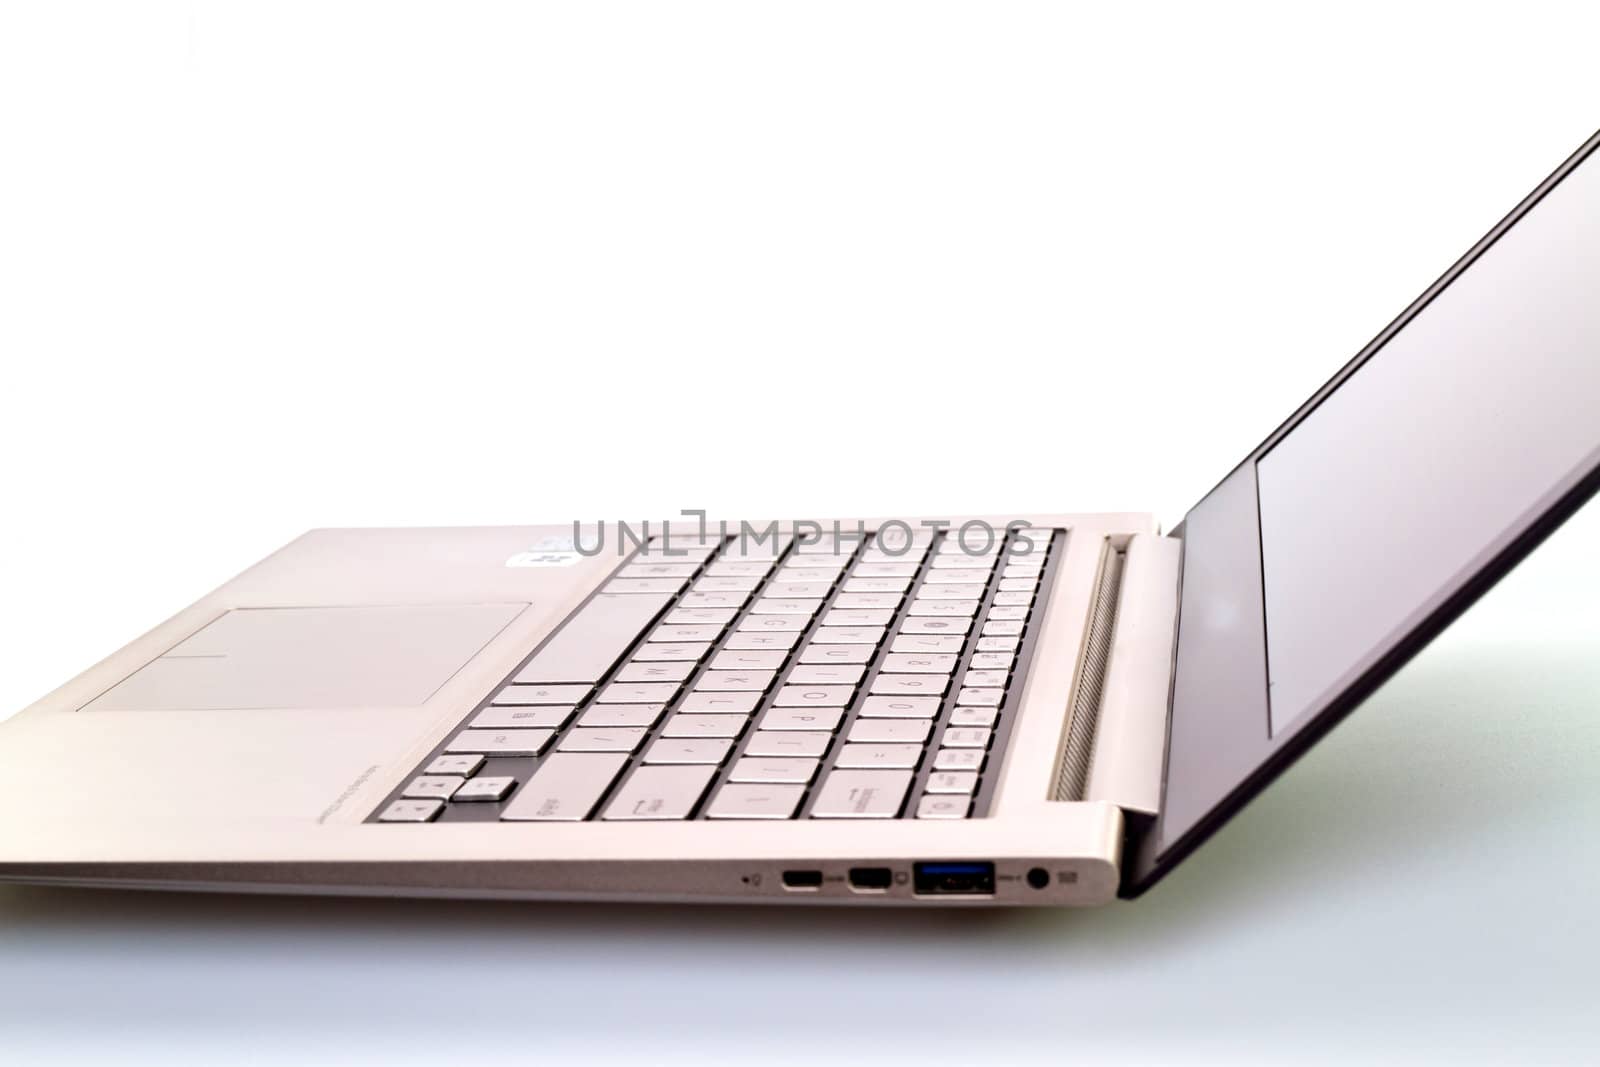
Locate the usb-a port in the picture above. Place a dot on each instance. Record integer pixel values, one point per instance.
(953, 879)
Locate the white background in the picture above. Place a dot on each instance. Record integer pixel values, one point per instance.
(270, 267)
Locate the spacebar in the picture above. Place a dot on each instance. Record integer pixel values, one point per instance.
(593, 638)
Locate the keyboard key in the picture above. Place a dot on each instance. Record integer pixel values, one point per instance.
(787, 743)
(924, 644)
(566, 787)
(770, 623)
(1016, 599)
(736, 568)
(998, 644)
(735, 681)
(981, 698)
(462, 765)
(840, 617)
(884, 570)
(868, 601)
(523, 695)
(501, 742)
(622, 715)
(992, 661)
(713, 583)
(798, 590)
(690, 651)
(1022, 570)
(900, 707)
(606, 739)
(802, 719)
(659, 792)
(963, 593)
(959, 759)
(936, 806)
(718, 617)
(645, 585)
(1033, 541)
(1003, 628)
(828, 673)
(900, 537)
(1017, 585)
(907, 664)
(974, 716)
(910, 684)
(910, 562)
(886, 756)
(412, 811)
(437, 786)
(636, 693)
(677, 671)
(852, 794)
(998, 611)
(954, 609)
(711, 601)
(935, 626)
(692, 724)
(966, 737)
(957, 576)
(804, 576)
(773, 769)
(700, 633)
(721, 703)
(892, 731)
(814, 563)
(779, 606)
(592, 639)
(877, 585)
(957, 560)
(739, 660)
(739, 801)
(848, 635)
(658, 570)
(487, 789)
(819, 654)
(814, 696)
(501, 718)
(687, 750)
(952, 782)
(895, 541)
(828, 544)
(988, 679)
(782, 640)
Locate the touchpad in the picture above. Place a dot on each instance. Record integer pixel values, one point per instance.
(320, 657)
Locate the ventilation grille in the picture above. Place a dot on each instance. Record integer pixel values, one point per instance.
(1072, 777)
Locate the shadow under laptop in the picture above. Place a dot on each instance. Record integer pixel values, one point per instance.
(1464, 747)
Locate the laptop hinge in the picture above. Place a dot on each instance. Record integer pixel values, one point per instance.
(1116, 742)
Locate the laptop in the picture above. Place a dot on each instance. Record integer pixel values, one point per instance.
(1028, 709)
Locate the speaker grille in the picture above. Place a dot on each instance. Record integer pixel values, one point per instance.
(1072, 776)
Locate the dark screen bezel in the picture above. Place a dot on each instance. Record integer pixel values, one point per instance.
(1236, 742)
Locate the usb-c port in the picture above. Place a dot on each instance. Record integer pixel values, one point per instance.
(870, 879)
(802, 879)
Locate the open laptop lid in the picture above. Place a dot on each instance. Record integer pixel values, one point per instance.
(1396, 496)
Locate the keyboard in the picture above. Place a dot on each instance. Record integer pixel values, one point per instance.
(730, 678)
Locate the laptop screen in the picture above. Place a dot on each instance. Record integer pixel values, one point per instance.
(1390, 501)
(1452, 433)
